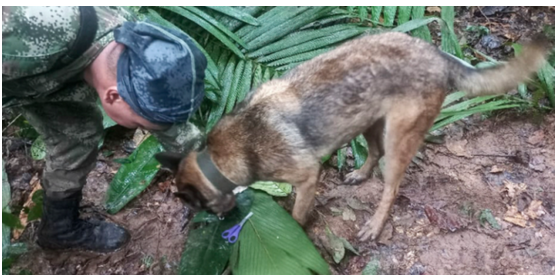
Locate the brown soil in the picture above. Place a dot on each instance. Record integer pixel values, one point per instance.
(156, 220)
(457, 189)
(457, 180)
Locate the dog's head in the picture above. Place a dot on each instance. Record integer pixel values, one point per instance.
(194, 189)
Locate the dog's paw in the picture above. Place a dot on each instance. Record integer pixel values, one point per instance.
(371, 230)
(354, 178)
(222, 203)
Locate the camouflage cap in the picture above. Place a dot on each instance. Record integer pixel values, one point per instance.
(160, 74)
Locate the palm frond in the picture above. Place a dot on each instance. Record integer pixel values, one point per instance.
(422, 32)
(203, 22)
(404, 14)
(389, 15)
(376, 13)
(237, 14)
(268, 20)
(287, 27)
(313, 44)
(298, 38)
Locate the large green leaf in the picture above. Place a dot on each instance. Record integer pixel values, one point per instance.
(273, 188)
(133, 177)
(36, 212)
(372, 268)
(335, 248)
(273, 243)
(10, 220)
(13, 251)
(38, 149)
(360, 153)
(206, 252)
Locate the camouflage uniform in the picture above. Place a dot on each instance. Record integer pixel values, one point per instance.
(59, 104)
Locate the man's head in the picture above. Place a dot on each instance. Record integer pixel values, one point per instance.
(149, 77)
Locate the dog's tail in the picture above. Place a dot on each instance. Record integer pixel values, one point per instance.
(500, 78)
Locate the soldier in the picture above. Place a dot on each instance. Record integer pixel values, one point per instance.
(57, 62)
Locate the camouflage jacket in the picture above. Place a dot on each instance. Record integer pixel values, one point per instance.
(33, 38)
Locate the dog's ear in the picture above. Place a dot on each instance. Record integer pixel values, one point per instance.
(169, 160)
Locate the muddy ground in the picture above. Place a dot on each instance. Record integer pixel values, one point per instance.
(435, 227)
(504, 164)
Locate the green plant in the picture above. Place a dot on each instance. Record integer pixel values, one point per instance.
(10, 251)
(270, 242)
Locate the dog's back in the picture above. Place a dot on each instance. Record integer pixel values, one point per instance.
(332, 98)
(327, 101)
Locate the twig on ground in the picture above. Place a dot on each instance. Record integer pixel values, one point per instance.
(12, 122)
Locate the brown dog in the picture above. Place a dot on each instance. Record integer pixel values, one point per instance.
(387, 81)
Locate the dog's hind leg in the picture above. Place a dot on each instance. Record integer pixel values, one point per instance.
(406, 125)
(374, 136)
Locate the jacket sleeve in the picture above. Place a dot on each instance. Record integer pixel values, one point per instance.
(180, 138)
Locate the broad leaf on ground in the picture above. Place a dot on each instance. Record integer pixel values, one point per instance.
(335, 246)
(273, 243)
(206, 252)
(273, 188)
(132, 178)
(38, 149)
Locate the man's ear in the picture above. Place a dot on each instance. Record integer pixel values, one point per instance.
(169, 160)
(111, 95)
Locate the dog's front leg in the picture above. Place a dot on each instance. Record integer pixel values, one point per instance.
(305, 193)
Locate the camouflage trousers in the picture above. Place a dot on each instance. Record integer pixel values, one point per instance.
(71, 132)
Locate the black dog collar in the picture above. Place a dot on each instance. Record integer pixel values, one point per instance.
(213, 174)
